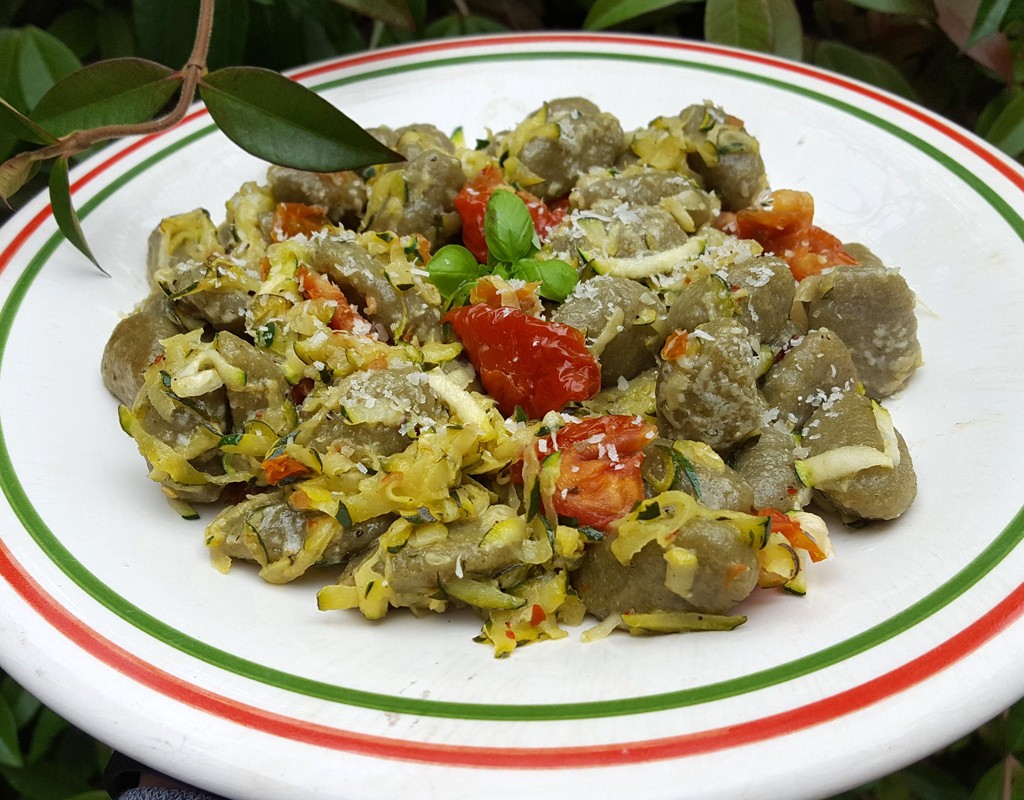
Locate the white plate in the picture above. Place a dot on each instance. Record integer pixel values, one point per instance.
(110, 612)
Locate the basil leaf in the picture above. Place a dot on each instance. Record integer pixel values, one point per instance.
(557, 279)
(451, 267)
(508, 227)
(461, 296)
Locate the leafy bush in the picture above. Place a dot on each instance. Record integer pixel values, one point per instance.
(42, 757)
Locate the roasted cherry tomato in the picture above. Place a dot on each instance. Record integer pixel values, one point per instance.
(494, 291)
(291, 219)
(599, 477)
(314, 286)
(675, 345)
(797, 536)
(282, 469)
(786, 229)
(525, 361)
(471, 203)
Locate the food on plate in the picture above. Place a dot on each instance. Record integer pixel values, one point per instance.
(573, 370)
(871, 309)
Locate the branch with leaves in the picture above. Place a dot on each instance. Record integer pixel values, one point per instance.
(263, 112)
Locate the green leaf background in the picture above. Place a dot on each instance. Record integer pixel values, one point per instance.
(741, 23)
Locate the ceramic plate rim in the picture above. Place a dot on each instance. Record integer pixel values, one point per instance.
(997, 618)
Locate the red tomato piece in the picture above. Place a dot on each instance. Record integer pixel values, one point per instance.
(787, 229)
(815, 251)
(524, 361)
(545, 216)
(281, 468)
(494, 291)
(797, 536)
(595, 436)
(471, 203)
(300, 391)
(291, 219)
(317, 286)
(675, 345)
(599, 478)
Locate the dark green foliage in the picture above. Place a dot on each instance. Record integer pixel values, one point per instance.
(116, 92)
(43, 757)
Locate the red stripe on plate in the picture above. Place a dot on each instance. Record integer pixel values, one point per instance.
(793, 720)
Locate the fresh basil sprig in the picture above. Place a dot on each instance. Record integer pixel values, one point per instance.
(511, 242)
(508, 228)
(453, 267)
(557, 279)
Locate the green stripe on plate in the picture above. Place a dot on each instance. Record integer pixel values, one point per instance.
(50, 544)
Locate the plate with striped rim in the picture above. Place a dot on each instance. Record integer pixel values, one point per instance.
(111, 613)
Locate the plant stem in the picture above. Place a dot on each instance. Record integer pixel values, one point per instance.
(1010, 766)
(375, 33)
(204, 30)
